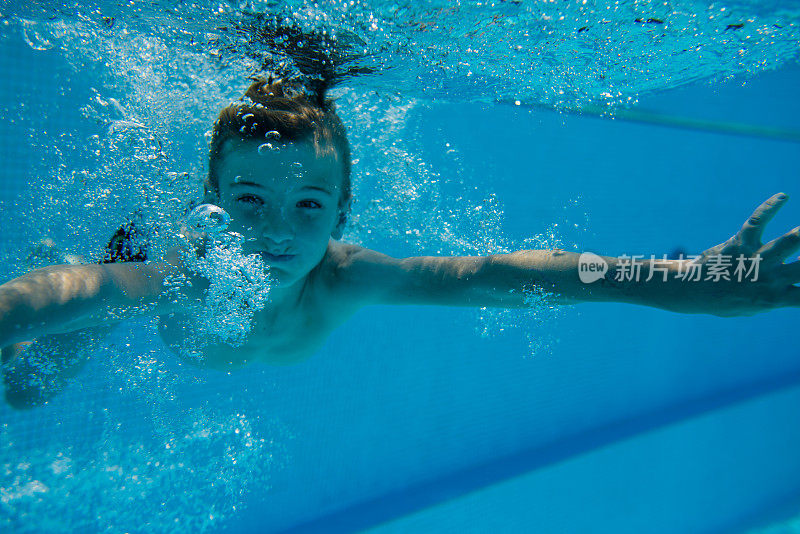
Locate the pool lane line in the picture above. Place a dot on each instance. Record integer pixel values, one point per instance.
(780, 511)
(639, 116)
(400, 503)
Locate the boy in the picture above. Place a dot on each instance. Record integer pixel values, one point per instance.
(280, 167)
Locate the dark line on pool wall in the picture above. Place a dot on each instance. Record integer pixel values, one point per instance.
(375, 511)
(781, 510)
(677, 122)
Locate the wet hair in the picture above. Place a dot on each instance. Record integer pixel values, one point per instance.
(297, 114)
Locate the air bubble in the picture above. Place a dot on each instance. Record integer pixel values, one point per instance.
(239, 286)
(208, 218)
(263, 149)
(36, 35)
(273, 135)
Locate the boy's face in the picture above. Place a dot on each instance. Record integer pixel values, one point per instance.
(283, 200)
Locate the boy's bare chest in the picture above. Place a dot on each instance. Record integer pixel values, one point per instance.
(278, 337)
(288, 335)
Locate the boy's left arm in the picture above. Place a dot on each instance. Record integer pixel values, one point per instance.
(709, 283)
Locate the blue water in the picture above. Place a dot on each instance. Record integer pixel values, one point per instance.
(593, 418)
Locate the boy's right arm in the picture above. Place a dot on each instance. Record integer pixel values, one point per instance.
(65, 298)
(502, 279)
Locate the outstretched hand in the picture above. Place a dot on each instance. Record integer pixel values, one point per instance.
(770, 281)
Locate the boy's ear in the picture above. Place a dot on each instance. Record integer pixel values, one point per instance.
(339, 230)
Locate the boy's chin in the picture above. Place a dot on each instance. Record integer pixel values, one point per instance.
(280, 278)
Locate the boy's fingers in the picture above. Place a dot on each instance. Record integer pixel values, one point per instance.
(790, 273)
(753, 228)
(780, 248)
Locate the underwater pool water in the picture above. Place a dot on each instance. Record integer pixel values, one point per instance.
(477, 128)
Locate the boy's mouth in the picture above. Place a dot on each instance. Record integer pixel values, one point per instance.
(276, 258)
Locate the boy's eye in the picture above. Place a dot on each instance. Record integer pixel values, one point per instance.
(250, 199)
(309, 204)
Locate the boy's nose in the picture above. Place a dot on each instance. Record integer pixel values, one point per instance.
(276, 228)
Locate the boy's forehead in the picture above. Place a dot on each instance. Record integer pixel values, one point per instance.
(277, 160)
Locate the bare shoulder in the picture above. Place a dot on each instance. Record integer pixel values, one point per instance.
(359, 272)
(174, 260)
(346, 256)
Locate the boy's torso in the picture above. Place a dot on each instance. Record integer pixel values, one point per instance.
(280, 335)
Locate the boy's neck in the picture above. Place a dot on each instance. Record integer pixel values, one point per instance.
(283, 295)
